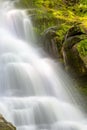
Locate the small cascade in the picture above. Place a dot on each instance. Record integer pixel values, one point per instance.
(35, 94)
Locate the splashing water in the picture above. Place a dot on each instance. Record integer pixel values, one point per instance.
(33, 95)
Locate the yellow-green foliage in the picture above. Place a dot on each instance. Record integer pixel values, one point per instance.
(54, 12)
(62, 30)
(82, 47)
(57, 8)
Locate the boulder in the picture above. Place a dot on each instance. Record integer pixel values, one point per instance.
(72, 60)
(75, 30)
(51, 42)
(66, 50)
(5, 125)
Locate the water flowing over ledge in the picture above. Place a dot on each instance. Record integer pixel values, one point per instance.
(34, 91)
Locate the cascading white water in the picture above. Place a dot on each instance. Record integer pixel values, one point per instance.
(34, 91)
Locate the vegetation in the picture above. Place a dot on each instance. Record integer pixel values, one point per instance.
(82, 47)
(62, 13)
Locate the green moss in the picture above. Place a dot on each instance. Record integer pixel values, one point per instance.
(82, 47)
(62, 30)
(82, 89)
(49, 13)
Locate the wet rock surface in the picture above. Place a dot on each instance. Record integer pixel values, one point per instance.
(51, 42)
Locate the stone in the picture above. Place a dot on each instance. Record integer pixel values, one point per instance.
(71, 57)
(51, 42)
(5, 125)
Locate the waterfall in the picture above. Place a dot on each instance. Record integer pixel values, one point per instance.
(34, 91)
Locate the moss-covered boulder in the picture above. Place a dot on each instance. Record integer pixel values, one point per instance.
(76, 29)
(5, 125)
(72, 58)
(52, 39)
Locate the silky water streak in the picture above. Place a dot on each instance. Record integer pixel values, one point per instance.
(34, 91)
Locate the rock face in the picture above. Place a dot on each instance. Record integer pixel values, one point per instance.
(4, 125)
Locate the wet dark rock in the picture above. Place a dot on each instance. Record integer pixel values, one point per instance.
(51, 42)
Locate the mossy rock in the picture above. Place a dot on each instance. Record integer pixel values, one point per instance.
(72, 60)
(71, 56)
(82, 49)
(76, 29)
(52, 42)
